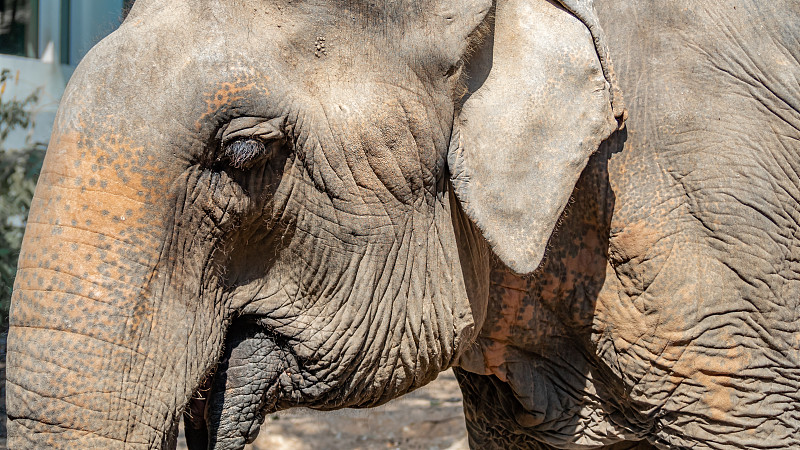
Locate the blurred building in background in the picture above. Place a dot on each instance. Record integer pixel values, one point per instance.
(43, 41)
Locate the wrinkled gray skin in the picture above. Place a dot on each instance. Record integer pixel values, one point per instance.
(252, 205)
(667, 307)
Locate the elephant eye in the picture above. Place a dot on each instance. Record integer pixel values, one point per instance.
(243, 153)
(248, 141)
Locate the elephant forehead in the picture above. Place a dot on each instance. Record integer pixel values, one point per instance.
(196, 78)
(344, 36)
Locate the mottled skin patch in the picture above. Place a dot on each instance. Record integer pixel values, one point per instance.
(672, 283)
(534, 355)
(106, 242)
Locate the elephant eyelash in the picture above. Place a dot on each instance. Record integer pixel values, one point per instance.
(479, 34)
(241, 153)
(245, 153)
(455, 70)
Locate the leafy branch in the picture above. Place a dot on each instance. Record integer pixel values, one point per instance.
(19, 171)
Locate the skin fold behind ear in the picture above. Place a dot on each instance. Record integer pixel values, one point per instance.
(538, 105)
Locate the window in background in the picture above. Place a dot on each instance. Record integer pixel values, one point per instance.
(18, 27)
(89, 22)
(57, 31)
(126, 6)
(50, 20)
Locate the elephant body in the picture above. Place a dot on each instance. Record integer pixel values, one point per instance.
(250, 206)
(667, 306)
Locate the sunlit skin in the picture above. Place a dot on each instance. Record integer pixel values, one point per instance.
(249, 206)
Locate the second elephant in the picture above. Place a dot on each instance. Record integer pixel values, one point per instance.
(666, 310)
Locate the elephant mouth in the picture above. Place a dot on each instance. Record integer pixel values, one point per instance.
(255, 376)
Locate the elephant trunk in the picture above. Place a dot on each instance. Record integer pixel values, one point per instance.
(103, 349)
(69, 389)
(230, 408)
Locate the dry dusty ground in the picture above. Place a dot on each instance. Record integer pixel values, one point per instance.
(430, 418)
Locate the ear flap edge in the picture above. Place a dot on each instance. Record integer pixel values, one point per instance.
(526, 133)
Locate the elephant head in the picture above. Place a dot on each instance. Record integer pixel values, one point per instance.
(251, 205)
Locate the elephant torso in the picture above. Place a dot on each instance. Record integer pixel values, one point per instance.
(667, 306)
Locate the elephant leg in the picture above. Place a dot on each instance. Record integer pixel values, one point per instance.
(491, 412)
(230, 414)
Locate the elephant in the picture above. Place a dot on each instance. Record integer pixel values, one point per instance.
(666, 310)
(248, 206)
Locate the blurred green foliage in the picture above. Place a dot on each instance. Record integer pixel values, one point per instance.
(19, 170)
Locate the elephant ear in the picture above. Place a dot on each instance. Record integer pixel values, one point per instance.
(541, 98)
